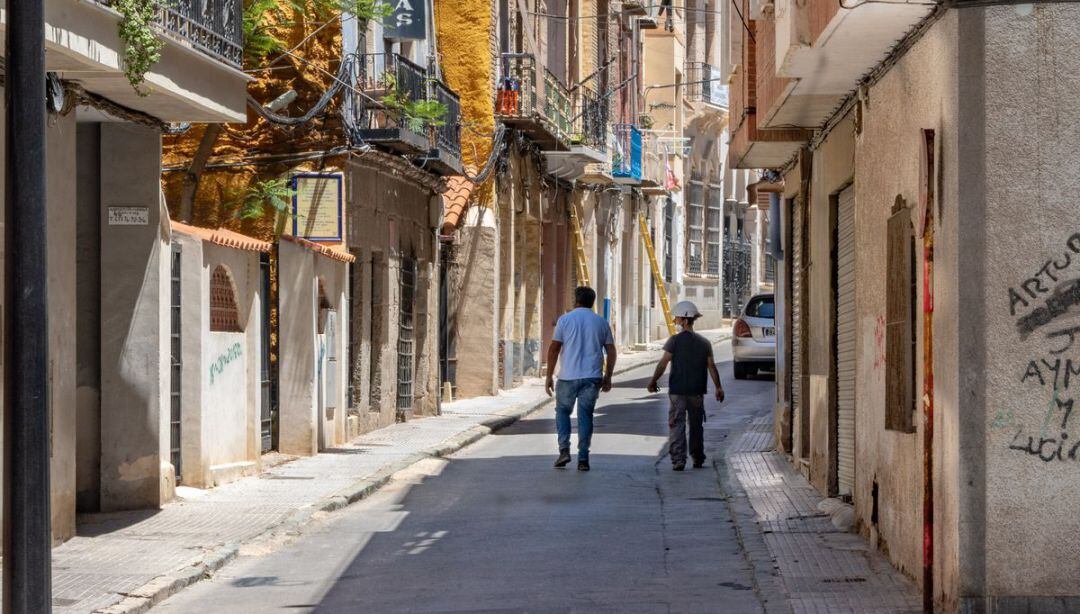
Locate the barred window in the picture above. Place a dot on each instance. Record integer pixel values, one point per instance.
(695, 221)
(224, 315)
(715, 223)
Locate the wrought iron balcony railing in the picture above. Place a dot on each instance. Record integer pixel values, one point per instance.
(390, 88)
(211, 26)
(704, 84)
(389, 83)
(626, 158)
(533, 99)
(590, 125)
(448, 135)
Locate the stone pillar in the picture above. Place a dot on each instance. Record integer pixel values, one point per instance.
(474, 312)
(61, 212)
(296, 350)
(135, 468)
(532, 300)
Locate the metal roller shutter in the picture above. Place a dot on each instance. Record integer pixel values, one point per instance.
(845, 341)
(796, 319)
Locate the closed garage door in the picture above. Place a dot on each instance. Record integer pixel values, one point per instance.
(845, 341)
(796, 323)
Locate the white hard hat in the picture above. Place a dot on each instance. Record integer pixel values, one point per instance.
(685, 309)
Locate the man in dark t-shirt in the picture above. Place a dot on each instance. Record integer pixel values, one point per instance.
(691, 358)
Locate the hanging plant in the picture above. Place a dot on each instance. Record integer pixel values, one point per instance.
(417, 113)
(142, 46)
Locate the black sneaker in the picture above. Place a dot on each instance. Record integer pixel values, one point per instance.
(563, 460)
(583, 465)
(679, 466)
(698, 464)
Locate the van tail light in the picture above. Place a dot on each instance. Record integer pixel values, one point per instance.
(742, 329)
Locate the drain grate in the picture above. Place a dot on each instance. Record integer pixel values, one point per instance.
(62, 602)
(843, 580)
(289, 477)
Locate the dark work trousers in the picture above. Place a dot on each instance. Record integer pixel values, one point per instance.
(686, 408)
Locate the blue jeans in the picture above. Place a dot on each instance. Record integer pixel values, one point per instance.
(585, 393)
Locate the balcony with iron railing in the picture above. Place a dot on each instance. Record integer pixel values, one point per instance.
(704, 83)
(585, 159)
(401, 108)
(197, 76)
(533, 100)
(214, 27)
(626, 156)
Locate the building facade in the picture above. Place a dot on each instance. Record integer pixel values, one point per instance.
(924, 288)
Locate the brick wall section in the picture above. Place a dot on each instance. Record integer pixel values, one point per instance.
(820, 13)
(770, 87)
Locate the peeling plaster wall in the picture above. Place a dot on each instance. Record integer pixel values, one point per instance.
(918, 92)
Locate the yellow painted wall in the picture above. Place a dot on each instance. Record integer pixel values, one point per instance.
(464, 30)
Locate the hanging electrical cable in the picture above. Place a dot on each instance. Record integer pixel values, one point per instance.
(493, 157)
(339, 82)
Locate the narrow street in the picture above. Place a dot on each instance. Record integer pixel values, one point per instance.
(496, 529)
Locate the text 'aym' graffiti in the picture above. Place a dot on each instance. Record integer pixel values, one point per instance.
(1054, 448)
(218, 366)
(1047, 283)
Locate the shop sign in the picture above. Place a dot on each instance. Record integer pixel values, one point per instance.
(408, 21)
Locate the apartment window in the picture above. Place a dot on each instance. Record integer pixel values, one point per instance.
(224, 315)
(715, 223)
(900, 316)
(695, 222)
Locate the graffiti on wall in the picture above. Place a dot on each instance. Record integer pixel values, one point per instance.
(1043, 305)
(217, 366)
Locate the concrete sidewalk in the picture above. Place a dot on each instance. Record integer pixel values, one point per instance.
(126, 562)
(803, 563)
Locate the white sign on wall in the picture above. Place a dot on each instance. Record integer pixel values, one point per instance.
(129, 216)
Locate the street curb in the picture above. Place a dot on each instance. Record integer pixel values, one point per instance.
(164, 586)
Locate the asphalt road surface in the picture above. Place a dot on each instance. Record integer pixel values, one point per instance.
(496, 529)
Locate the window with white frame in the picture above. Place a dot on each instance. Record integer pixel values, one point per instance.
(695, 223)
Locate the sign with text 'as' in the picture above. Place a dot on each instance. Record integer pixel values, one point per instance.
(408, 21)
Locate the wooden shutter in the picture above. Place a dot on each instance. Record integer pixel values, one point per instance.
(899, 321)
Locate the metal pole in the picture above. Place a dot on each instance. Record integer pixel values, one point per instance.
(27, 531)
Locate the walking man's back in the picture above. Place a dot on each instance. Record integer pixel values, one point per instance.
(580, 341)
(691, 358)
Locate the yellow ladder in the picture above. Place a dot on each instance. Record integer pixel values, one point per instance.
(657, 279)
(580, 263)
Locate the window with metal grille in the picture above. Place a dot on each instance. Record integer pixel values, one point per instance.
(695, 223)
(177, 369)
(405, 338)
(715, 223)
(900, 321)
(224, 315)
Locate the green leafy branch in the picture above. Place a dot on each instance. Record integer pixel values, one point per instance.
(417, 113)
(142, 46)
(261, 197)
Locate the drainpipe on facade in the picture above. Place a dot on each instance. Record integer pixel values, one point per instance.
(27, 568)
